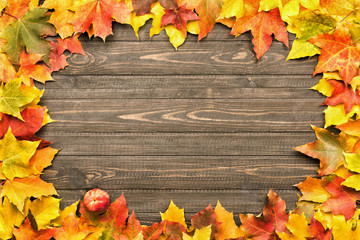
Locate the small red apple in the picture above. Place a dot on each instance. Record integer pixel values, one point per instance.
(97, 200)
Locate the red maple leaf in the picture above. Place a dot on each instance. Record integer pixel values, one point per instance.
(262, 25)
(179, 16)
(57, 60)
(26, 232)
(342, 200)
(273, 219)
(99, 14)
(205, 218)
(33, 119)
(338, 53)
(318, 232)
(154, 231)
(343, 94)
(72, 44)
(174, 230)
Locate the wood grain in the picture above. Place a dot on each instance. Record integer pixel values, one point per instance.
(203, 123)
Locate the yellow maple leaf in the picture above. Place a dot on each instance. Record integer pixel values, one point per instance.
(174, 214)
(232, 8)
(343, 229)
(228, 227)
(298, 226)
(335, 115)
(200, 234)
(10, 216)
(15, 157)
(44, 210)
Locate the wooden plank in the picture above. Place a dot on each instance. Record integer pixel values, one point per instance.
(176, 144)
(179, 172)
(155, 58)
(184, 115)
(148, 203)
(174, 86)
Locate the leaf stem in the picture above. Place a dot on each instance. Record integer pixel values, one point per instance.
(3, 12)
(347, 15)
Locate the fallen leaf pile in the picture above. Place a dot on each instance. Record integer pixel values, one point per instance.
(33, 41)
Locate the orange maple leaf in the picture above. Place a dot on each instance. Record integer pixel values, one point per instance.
(338, 53)
(262, 25)
(31, 68)
(99, 14)
(26, 232)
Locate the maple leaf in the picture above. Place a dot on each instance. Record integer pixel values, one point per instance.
(343, 94)
(351, 127)
(132, 230)
(174, 214)
(13, 96)
(232, 8)
(342, 200)
(154, 231)
(323, 86)
(44, 210)
(20, 189)
(142, 7)
(200, 234)
(26, 232)
(70, 229)
(66, 212)
(329, 149)
(14, 9)
(208, 11)
(273, 219)
(262, 26)
(179, 16)
(15, 156)
(7, 70)
(338, 53)
(313, 189)
(298, 227)
(31, 68)
(318, 232)
(174, 230)
(10, 216)
(71, 44)
(42, 158)
(26, 34)
(57, 60)
(98, 15)
(343, 229)
(228, 228)
(61, 17)
(205, 218)
(33, 120)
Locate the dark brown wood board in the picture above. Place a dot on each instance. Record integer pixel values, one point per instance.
(204, 123)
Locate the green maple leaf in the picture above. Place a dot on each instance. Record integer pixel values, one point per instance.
(13, 96)
(15, 156)
(26, 34)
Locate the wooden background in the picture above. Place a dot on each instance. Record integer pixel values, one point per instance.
(203, 123)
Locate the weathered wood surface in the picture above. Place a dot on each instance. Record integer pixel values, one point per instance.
(203, 123)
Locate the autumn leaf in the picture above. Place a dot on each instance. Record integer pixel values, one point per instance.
(30, 67)
(329, 149)
(343, 94)
(15, 157)
(132, 230)
(25, 34)
(174, 214)
(205, 218)
(262, 26)
(335, 115)
(208, 11)
(10, 216)
(200, 234)
(232, 8)
(323, 86)
(154, 231)
(13, 96)
(178, 16)
(174, 230)
(20, 189)
(44, 210)
(26, 232)
(298, 227)
(7, 70)
(313, 189)
(338, 53)
(14, 9)
(142, 7)
(228, 228)
(98, 14)
(71, 44)
(70, 229)
(318, 232)
(61, 17)
(342, 200)
(343, 229)
(272, 219)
